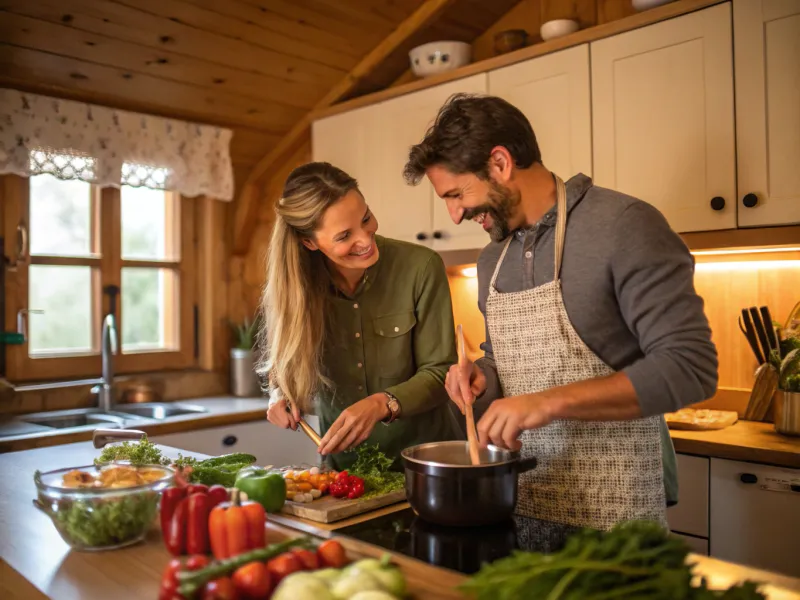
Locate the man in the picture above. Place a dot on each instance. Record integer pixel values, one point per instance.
(593, 327)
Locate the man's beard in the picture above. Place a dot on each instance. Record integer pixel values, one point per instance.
(501, 204)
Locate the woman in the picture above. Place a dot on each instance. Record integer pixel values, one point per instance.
(357, 328)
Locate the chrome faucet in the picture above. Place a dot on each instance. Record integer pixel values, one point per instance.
(108, 347)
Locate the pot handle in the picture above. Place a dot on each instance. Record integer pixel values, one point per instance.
(526, 464)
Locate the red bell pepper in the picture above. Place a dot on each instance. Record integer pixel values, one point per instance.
(217, 494)
(175, 536)
(197, 510)
(195, 488)
(170, 498)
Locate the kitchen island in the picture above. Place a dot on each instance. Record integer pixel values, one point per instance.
(36, 563)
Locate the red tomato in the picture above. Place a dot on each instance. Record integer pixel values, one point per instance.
(332, 554)
(307, 558)
(197, 562)
(169, 582)
(283, 565)
(220, 589)
(252, 581)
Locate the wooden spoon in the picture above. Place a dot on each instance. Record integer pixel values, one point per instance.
(472, 437)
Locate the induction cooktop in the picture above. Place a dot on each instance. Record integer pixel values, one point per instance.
(462, 549)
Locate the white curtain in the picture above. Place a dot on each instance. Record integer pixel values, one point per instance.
(109, 147)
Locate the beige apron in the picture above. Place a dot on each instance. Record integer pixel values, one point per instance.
(590, 473)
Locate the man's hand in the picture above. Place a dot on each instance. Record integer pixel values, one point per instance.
(278, 415)
(463, 383)
(354, 424)
(506, 419)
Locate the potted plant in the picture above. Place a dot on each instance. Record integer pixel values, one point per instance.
(787, 398)
(244, 381)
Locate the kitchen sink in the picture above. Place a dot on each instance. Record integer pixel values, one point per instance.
(81, 417)
(159, 410)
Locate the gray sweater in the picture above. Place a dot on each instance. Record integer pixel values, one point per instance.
(627, 281)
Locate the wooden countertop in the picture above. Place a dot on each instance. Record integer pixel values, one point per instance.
(35, 563)
(744, 440)
(221, 411)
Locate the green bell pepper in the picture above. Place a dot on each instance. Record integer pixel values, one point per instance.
(264, 486)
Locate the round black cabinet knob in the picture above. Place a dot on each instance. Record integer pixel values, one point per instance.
(718, 203)
(229, 440)
(422, 237)
(437, 235)
(750, 200)
(748, 478)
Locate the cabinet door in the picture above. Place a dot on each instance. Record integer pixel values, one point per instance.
(690, 515)
(767, 51)
(663, 123)
(696, 545)
(347, 141)
(754, 515)
(554, 93)
(406, 212)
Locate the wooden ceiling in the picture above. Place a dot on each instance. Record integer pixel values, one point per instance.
(256, 66)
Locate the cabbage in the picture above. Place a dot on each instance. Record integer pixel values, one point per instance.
(351, 584)
(302, 585)
(373, 595)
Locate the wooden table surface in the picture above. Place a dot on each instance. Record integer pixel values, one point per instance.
(36, 563)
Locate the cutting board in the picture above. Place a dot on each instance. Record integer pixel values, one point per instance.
(701, 419)
(329, 509)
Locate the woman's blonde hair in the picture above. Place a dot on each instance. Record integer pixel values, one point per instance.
(297, 287)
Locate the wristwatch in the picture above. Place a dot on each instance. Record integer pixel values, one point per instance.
(394, 408)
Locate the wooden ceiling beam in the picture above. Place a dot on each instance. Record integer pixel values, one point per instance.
(245, 218)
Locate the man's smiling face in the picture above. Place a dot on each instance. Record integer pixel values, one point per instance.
(493, 205)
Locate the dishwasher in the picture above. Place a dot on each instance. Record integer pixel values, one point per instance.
(755, 515)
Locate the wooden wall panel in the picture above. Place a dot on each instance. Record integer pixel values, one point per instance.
(612, 10)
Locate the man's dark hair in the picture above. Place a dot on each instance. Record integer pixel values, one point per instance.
(466, 130)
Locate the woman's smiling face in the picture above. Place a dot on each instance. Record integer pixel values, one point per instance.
(346, 234)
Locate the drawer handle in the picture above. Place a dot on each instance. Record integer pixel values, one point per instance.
(750, 200)
(422, 236)
(718, 203)
(748, 478)
(229, 440)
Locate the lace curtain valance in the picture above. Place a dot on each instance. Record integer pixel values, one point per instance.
(108, 147)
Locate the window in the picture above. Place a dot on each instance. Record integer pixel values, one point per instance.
(93, 251)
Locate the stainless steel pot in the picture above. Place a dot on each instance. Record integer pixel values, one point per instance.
(787, 412)
(443, 486)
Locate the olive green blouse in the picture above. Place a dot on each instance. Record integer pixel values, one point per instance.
(395, 334)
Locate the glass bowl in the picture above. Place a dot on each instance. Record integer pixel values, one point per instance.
(102, 507)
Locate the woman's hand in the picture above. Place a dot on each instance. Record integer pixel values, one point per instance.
(278, 415)
(354, 424)
(463, 383)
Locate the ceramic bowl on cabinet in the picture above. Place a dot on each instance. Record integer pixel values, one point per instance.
(439, 57)
(558, 28)
(641, 5)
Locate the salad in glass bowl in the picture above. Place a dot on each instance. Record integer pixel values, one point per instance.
(102, 507)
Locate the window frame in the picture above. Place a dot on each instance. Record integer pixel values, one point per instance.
(108, 264)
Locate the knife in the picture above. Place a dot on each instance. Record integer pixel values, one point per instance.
(761, 332)
(307, 429)
(750, 334)
(770, 327)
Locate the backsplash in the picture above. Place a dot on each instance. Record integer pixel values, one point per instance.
(727, 281)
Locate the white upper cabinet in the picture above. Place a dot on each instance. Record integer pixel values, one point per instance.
(347, 141)
(554, 92)
(663, 118)
(767, 58)
(415, 213)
